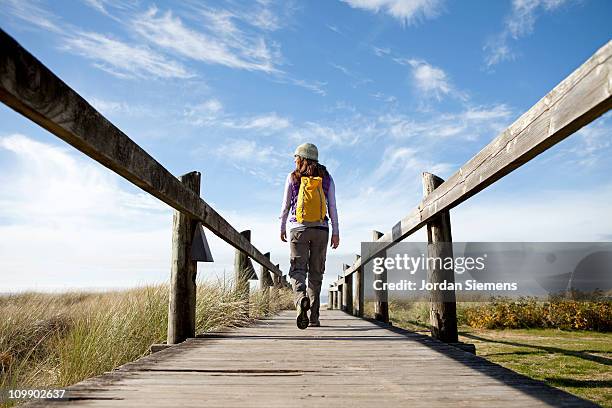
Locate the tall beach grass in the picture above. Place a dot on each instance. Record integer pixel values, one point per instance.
(54, 340)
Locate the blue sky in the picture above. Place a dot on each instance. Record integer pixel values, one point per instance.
(386, 89)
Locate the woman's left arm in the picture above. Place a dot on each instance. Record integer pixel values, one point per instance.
(331, 206)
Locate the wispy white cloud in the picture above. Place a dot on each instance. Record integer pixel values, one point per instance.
(468, 124)
(262, 161)
(235, 36)
(519, 23)
(346, 132)
(406, 11)
(314, 86)
(247, 150)
(384, 97)
(205, 113)
(108, 107)
(381, 52)
(122, 59)
(105, 6)
(117, 57)
(222, 43)
(334, 28)
(32, 13)
(590, 147)
(358, 79)
(211, 113)
(401, 162)
(266, 122)
(430, 81)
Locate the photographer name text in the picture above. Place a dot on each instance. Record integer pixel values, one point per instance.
(408, 285)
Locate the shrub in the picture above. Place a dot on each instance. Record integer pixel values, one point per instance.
(558, 313)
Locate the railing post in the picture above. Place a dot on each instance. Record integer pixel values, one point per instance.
(443, 311)
(358, 282)
(265, 282)
(340, 297)
(182, 299)
(348, 291)
(381, 303)
(241, 274)
(336, 297)
(275, 285)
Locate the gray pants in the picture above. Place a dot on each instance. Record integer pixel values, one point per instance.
(308, 251)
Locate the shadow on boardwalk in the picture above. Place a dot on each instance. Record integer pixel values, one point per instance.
(346, 362)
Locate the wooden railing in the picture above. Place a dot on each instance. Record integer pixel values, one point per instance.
(30, 88)
(575, 102)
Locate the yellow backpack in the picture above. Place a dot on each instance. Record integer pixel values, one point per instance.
(311, 205)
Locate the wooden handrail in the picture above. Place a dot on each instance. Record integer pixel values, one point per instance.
(575, 102)
(30, 88)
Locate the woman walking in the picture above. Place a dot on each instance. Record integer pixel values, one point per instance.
(309, 198)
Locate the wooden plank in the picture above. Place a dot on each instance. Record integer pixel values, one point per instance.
(347, 362)
(575, 102)
(30, 88)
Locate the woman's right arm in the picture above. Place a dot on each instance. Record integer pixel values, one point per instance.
(285, 208)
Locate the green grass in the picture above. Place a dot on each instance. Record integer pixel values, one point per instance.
(54, 340)
(578, 362)
(575, 361)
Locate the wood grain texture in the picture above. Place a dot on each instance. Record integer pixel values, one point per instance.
(358, 299)
(182, 299)
(242, 274)
(443, 307)
(347, 362)
(265, 279)
(31, 89)
(381, 297)
(577, 101)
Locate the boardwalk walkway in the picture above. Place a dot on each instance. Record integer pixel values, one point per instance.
(348, 362)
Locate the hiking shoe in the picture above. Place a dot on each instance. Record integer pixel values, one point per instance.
(302, 316)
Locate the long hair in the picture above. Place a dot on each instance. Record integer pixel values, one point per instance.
(307, 168)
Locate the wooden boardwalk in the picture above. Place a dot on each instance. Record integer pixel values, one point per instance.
(348, 362)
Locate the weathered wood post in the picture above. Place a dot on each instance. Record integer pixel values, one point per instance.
(335, 299)
(443, 311)
(358, 282)
(348, 291)
(329, 298)
(265, 283)
(275, 285)
(381, 302)
(182, 300)
(340, 293)
(242, 273)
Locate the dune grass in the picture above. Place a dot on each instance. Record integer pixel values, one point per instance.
(54, 340)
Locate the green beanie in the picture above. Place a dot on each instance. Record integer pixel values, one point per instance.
(307, 151)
